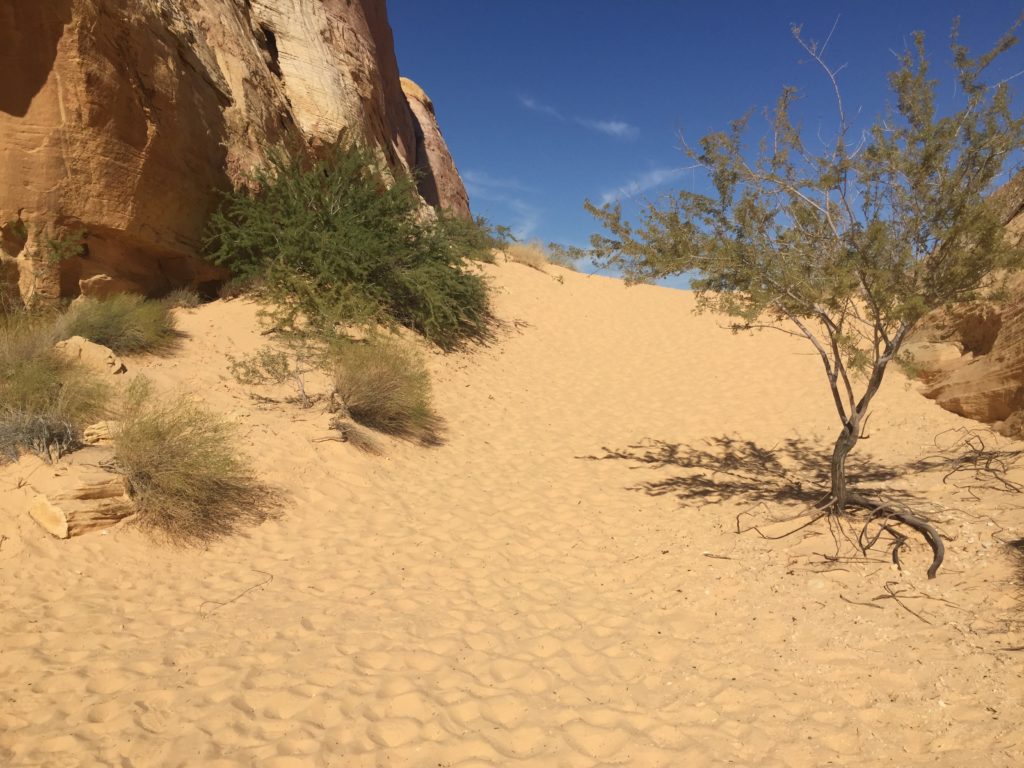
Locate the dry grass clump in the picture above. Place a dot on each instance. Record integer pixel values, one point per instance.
(184, 298)
(126, 323)
(531, 254)
(46, 399)
(183, 465)
(385, 386)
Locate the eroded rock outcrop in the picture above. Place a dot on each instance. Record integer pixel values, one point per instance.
(78, 494)
(119, 120)
(439, 180)
(972, 356)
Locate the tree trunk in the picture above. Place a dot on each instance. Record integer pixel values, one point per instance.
(851, 433)
(837, 468)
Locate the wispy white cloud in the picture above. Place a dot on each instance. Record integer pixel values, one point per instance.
(482, 179)
(532, 104)
(615, 128)
(507, 195)
(648, 181)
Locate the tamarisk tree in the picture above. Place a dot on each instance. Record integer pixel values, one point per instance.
(847, 243)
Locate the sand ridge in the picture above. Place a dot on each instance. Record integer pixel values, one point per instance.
(516, 597)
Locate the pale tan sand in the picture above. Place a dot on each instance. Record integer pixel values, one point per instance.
(501, 600)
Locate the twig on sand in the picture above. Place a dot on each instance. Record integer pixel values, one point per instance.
(763, 535)
(891, 593)
(239, 596)
(854, 602)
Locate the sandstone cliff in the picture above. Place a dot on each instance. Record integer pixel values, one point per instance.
(119, 120)
(439, 181)
(972, 357)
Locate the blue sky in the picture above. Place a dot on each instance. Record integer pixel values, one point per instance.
(545, 103)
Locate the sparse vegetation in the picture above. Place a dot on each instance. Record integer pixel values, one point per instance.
(187, 476)
(531, 254)
(332, 241)
(45, 398)
(183, 298)
(567, 256)
(537, 255)
(385, 386)
(127, 324)
(61, 248)
(299, 357)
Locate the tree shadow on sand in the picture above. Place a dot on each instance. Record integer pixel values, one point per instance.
(795, 470)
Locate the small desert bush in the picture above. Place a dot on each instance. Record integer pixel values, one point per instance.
(531, 254)
(189, 480)
(332, 241)
(287, 364)
(567, 256)
(46, 399)
(126, 323)
(385, 386)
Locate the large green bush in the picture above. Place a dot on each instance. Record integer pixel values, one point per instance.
(332, 241)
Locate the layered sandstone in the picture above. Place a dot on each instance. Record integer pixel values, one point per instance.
(972, 356)
(121, 119)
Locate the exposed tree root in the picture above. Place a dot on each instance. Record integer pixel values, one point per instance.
(891, 512)
(886, 512)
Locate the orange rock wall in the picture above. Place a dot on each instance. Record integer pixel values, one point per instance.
(120, 120)
(986, 380)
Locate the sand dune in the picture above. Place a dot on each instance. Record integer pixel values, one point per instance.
(533, 592)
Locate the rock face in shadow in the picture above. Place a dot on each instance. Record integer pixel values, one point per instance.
(121, 119)
(438, 179)
(972, 356)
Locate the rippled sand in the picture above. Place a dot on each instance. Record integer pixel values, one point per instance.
(533, 592)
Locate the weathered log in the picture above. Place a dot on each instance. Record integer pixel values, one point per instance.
(80, 496)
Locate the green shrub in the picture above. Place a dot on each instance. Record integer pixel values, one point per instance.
(58, 249)
(126, 323)
(385, 386)
(476, 239)
(183, 466)
(332, 242)
(46, 399)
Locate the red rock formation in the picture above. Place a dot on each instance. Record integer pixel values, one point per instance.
(119, 120)
(439, 180)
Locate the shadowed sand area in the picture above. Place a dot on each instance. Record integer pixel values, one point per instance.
(505, 600)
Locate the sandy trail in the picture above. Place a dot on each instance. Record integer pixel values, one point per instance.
(506, 600)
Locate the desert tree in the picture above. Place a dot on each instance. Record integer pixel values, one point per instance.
(846, 241)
